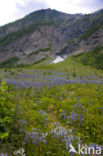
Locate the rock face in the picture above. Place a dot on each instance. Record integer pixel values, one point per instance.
(47, 33)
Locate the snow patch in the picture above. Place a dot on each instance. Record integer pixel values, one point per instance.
(57, 59)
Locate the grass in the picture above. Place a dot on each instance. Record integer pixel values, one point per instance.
(93, 58)
(13, 63)
(41, 120)
(69, 66)
(53, 105)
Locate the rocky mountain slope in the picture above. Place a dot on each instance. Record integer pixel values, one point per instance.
(47, 33)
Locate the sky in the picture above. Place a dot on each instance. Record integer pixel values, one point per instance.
(11, 10)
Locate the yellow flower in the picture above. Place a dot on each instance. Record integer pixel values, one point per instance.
(51, 125)
(79, 134)
(55, 111)
(60, 110)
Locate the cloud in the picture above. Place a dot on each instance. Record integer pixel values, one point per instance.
(28, 6)
(76, 6)
(7, 8)
(89, 5)
(11, 10)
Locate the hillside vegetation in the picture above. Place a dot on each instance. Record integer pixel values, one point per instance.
(64, 33)
(44, 108)
(93, 58)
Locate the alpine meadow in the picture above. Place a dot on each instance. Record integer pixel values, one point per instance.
(51, 85)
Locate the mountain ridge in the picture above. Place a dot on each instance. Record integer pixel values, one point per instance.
(59, 33)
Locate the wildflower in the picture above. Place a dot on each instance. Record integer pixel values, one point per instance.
(73, 116)
(60, 110)
(81, 117)
(79, 134)
(50, 125)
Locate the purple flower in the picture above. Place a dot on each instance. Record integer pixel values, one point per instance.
(73, 116)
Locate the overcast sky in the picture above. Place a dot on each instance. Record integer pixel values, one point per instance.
(10, 10)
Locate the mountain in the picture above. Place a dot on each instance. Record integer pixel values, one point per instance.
(47, 33)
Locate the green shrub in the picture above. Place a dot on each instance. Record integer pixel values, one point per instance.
(90, 31)
(17, 34)
(93, 58)
(10, 125)
(9, 62)
(40, 50)
(7, 111)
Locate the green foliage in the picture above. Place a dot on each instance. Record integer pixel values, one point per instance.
(40, 50)
(54, 147)
(10, 125)
(6, 111)
(30, 23)
(96, 24)
(42, 61)
(93, 58)
(74, 73)
(68, 66)
(45, 108)
(39, 109)
(69, 41)
(17, 34)
(10, 62)
(90, 31)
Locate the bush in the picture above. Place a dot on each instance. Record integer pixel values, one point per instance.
(6, 111)
(40, 50)
(10, 136)
(9, 62)
(93, 58)
(89, 32)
